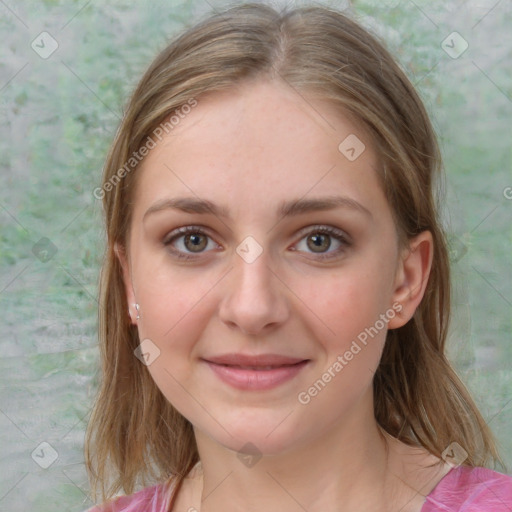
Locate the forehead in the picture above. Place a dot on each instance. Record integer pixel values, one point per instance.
(257, 145)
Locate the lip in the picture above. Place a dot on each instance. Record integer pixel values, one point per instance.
(234, 359)
(234, 369)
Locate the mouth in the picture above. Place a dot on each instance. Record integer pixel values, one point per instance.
(256, 377)
(258, 361)
(258, 368)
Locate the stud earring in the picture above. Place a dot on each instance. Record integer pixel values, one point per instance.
(137, 307)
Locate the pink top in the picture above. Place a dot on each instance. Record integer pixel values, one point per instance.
(462, 489)
(465, 489)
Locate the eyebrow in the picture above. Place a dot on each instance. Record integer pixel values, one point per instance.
(285, 209)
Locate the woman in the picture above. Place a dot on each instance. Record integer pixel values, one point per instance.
(273, 235)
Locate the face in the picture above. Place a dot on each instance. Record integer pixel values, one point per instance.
(296, 255)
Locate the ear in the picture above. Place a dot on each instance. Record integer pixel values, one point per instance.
(411, 277)
(130, 295)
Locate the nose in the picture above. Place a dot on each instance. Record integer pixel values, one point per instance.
(254, 300)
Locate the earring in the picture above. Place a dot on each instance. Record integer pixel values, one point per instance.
(137, 307)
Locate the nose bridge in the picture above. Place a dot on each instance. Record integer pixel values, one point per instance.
(254, 275)
(253, 298)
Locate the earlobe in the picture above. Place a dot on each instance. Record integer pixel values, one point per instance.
(412, 277)
(130, 295)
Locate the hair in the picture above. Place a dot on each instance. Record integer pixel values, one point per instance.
(134, 433)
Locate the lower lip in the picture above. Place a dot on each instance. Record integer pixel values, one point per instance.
(242, 378)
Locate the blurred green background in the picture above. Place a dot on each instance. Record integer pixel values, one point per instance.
(59, 112)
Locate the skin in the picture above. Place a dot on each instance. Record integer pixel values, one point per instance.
(248, 150)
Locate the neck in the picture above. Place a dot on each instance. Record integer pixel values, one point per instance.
(343, 470)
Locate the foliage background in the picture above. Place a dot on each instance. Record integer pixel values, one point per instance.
(58, 116)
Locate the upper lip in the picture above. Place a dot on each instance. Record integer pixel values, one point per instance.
(254, 360)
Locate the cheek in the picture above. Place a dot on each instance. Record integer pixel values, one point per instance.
(347, 300)
(349, 309)
(176, 325)
(174, 314)
(349, 306)
(169, 296)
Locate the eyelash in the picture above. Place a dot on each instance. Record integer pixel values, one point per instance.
(324, 230)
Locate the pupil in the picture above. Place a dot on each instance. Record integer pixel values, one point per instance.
(320, 241)
(196, 241)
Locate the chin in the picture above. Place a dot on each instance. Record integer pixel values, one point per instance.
(271, 437)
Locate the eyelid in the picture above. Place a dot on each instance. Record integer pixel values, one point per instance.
(180, 232)
(176, 233)
(337, 232)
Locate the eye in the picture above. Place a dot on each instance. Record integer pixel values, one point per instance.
(188, 241)
(194, 241)
(319, 241)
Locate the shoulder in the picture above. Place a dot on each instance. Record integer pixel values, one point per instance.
(472, 490)
(149, 499)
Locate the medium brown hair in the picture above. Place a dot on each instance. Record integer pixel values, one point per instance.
(134, 433)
